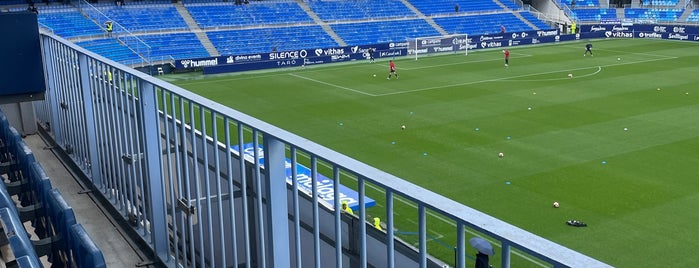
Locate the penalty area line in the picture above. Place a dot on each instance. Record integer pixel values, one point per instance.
(333, 85)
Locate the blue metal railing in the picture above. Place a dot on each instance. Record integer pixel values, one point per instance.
(162, 155)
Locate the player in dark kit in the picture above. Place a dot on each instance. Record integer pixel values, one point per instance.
(507, 57)
(392, 66)
(588, 48)
(371, 54)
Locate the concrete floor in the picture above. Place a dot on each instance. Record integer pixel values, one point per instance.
(115, 244)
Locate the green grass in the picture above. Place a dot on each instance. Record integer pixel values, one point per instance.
(640, 206)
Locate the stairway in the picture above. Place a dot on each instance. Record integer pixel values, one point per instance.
(685, 15)
(427, 19)
(620, 13)
(194, 27)
(329, 30)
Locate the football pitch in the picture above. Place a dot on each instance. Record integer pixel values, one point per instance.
(617, 145)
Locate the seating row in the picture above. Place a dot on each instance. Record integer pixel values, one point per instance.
(26, 196)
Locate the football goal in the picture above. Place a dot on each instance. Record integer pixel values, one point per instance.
(422, 46)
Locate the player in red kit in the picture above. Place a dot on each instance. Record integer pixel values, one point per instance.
(392, 66)
(507, 57)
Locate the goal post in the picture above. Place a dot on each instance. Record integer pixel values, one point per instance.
(421, 46)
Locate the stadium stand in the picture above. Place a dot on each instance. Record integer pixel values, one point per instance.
(178, 45)
(581, 3)
(656, 14)
(694, 16)
(145, 17)
(214, 15)
(359, 10)
(430, 8)
(585, 14)
(658, 3)
(383, 31)
(482, 24)
(110, 48)
(261, 40)
(534, 20)
(68, 22)
(52, 219)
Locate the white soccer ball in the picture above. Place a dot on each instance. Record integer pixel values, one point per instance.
(374, 75)
(618, 58)
(555, 204)
(570, 75)
(501, 155)
(402, 127)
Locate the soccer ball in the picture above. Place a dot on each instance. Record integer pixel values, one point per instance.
(374, 75)
(402, 127)
(555, 204)
(570, 75)
(501, 155)
(618, 58)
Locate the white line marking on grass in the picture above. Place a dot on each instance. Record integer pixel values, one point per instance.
(333, 85)
(599, 69)
(464, 62)
(513, 78)
(638, 53)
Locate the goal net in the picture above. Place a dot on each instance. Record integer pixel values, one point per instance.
(422, 46)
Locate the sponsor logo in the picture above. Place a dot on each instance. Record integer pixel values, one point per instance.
(403, 44)
(325, 188)
(557, 38)
(459, 41)
(619, 28)
(255, 57)
(609, 34)
(311, 62)
(319, 52)
(678, 30)
(468, 46)
(443, 49)
(491, 44)
(339, 57)
(598, 28)
(397, 53)
(659, 29)
(230, 60)
(650, 35)
(288, 55)
(678, 36)
(513, 42)
(524, 35)
(199, 63)
(286, 62)
(577, 36)
(547, 33)
(696, 38)
(355, 49)
(514, 35)
(486, 38)
(334, 51)
(535, 41)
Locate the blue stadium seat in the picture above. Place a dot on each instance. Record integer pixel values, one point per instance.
(84, 252)
(28, 262)
(14, 233)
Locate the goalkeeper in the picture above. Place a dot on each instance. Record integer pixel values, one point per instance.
(392, 67)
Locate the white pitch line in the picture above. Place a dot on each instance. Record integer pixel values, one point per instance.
(465, 62)
(332, 85)
(599, 69)
(516, 76)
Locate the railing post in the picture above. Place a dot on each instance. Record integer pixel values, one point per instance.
(277, 207)
(505, 254)
(51, 92)
(154, 177)
(90, 122)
